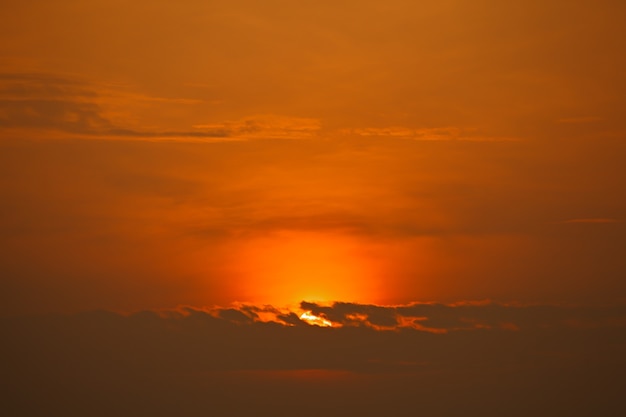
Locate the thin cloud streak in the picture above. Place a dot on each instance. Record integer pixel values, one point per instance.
(448, 133)
(598, 220)
(60, 103)
(50, 103)
(268, 127)
(580, 120)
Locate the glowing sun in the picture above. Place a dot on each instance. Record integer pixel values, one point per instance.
(311, 318)
(289, 267)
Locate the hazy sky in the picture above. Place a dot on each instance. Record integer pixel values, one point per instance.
(312, 208)
(160, 153)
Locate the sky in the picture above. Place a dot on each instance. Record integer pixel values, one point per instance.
(178, 160)
(202, 153)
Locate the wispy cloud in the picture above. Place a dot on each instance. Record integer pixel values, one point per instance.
(53, 104)
(428, 134)
(580, 120)
(49, 102)
(269, 126)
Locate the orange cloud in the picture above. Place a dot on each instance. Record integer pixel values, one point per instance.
(68, 105)
(51, 104)
(267, 127)
(427, 134)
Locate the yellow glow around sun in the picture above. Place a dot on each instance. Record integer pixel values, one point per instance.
(289, 267)
(311, 318)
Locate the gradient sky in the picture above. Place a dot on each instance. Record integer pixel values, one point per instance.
(312, 208)
(157, 153)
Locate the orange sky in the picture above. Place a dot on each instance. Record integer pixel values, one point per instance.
(161, 153)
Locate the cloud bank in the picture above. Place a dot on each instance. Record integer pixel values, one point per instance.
(477, 358)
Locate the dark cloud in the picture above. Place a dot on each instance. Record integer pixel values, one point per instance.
(469, 316)
(51, 102)
(235, 316)
(290, 319)
(41, 86)
(351, 314)
(196, 361)
(68, 116)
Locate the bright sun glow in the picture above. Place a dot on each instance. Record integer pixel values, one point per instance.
(315, 320)
(288, 267)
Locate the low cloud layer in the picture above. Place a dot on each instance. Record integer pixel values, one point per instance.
(445, 318)
(491, 358)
